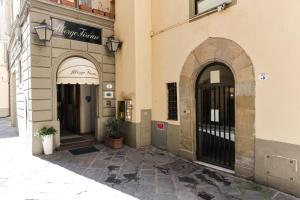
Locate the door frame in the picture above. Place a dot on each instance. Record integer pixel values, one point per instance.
(235, 57)
(197, 101)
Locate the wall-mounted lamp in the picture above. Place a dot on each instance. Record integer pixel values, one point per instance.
(113, 44)
(44, 31)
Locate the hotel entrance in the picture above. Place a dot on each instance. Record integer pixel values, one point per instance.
(77, 83)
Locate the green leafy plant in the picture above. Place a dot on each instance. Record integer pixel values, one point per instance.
(113, 128)
(46, 131)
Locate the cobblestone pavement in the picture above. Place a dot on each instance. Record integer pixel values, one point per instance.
(116, 174)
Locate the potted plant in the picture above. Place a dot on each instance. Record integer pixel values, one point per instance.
(46, 134)
(113, 136)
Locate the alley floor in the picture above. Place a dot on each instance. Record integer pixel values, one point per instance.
(147, 174)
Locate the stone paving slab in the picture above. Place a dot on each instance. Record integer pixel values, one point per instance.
(146, 174)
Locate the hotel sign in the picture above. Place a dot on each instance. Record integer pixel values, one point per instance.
(74, 31)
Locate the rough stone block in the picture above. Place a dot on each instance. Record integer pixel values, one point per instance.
(109, 68)
(40, 72)
(56, 52)
(245, 88)
(96, 48)
(40, 94)
(40, 61)
(245, 146)
(244, 129)
(108, 60)
(245, 116)
(226, 50)
(245, 102)
(108, 77)
(242, 61)
(245, 75)
(109, 112)
(36, 105)
(98, 57)
(40, 83)
(77, 45)
(61, 43)
(40, 50)
(107, 32)
(39, 17)
(37, 116)
(205, 52)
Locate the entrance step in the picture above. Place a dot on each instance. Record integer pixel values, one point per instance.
(75, 143)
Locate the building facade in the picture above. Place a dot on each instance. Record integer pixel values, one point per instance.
(5, 19)
(214, 82)
(234, 73)
(63, 82)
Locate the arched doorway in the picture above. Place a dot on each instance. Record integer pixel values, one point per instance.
(215, 116)
(235, 57)
(77, 81)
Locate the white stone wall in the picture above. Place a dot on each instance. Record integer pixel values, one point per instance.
(19, 55)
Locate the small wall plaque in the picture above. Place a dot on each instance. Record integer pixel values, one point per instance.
(108, 95)
(109, 86)
(215, 76)
(263, 76)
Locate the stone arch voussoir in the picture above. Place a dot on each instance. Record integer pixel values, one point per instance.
(234, 56)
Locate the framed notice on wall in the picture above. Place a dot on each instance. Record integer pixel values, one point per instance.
(74, 31)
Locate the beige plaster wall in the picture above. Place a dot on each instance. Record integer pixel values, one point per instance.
(269, 38)
(134, 60)
(125, 59)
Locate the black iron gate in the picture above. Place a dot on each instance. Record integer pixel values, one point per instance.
(215, 123)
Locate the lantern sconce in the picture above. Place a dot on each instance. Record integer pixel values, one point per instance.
(44, 31)
(113, 44)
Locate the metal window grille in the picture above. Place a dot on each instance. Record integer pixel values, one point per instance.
(172, 101)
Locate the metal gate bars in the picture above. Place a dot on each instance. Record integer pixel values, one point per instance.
(215, 124)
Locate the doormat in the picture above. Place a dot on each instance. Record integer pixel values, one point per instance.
(71, 140)
(84, 150)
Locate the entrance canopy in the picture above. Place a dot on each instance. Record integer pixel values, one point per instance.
(77, 70)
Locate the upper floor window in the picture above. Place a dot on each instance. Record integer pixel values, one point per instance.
(203, 6)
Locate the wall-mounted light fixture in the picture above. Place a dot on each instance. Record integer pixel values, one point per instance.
(113, 44)
(44, 31)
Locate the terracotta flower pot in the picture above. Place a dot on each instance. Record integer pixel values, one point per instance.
(98, 12)
(114, 143)
(85, 8)
(68, 3)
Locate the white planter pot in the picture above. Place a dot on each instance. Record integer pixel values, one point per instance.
(48, 144)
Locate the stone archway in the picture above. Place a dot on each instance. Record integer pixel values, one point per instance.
(99, 104)
(230, 53)
(55, 68)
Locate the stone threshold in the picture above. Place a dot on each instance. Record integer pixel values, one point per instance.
(215, 167)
